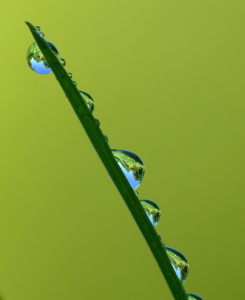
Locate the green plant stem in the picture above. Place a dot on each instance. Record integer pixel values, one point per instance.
(97, 139)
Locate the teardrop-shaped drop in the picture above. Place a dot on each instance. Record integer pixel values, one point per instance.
(179, 263)
(38, 29)
(88, 99)
(131, 165)
(106, 138)
(36, 60)
(192, 296)
(62, 61)
(152, 210)
(97, 121)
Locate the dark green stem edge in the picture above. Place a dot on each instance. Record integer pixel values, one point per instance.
(97, 139)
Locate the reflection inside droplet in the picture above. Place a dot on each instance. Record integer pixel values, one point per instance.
(179, 263)
(88, 99)
(152, 210)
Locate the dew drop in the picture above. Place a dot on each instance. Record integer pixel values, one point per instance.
(106, 138)
(137, 193)
(38, 29)
(36, 60)
(192, 296)
(179, 263)
(62, 61)
(152, 210)
(131, 165)
(88, 99)
(69, 74)
(41, 34)
(97, 121)
(74, 82)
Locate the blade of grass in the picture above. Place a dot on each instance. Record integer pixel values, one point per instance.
(100, 145)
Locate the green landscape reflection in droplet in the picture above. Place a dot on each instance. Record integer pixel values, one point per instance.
(88, 99)
(152, 210)
(179, 263)
(131, 165)
(36, 60)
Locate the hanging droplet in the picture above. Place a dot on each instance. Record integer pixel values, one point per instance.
(179, 263)
(74, 82)
(70, 75)
(131, 165)
(36, 60)
(152, 210)
(38, 29)
(192, 296)
(106, 138)
(41, 34)
(62, 61)
(97, 121)
(88, 99)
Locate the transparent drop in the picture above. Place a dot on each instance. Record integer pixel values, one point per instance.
(131, 165)
(88, 99)
(74, 82)
(36, 60)
(69, 74)
(179, 263)
(62, 61)
(41, 34)
(192, 296)
(137, 193)
(97, 121)
(152, 210)
(106, 138)
(38, 29)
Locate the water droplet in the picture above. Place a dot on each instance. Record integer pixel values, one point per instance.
(106, 138)
(152, 210)
(38, 29)
(41, 34)
(36, 60)
(88, 99)
(97, 121)
(131, 165)
(62, 61)
(74, 82)
(179, 263)
(69, 74)
(192, 296)
(137, 193)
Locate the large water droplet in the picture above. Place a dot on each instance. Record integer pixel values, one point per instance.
(152, 210)
(36, 60)
(97, 121)
(62, 61)
(131, 165)
(179, 263)
(88, 99)
(192, 296)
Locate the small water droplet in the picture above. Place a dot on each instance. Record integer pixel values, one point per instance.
(88, 99)
(38, 29)
(69, 74)
(97, 121)
(62, 61)
(131, 165)
(137, 193)
(192, 296)
(179, 263)
(74, 82)
(41, 34)
(106, 138)
(36, 60)
(152, 210)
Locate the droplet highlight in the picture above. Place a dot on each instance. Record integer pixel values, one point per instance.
(179, 263)
(152, 210)
(106, 138)
(192, 296)
(36, 60)
(62, 61)
(88, 99)
(97, 121)
(131, 165)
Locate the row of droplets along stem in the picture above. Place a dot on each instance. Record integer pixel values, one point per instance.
(130, 163)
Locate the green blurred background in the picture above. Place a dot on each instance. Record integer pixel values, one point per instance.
(167, 78)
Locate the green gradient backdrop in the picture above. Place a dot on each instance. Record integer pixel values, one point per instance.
(168, 82)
